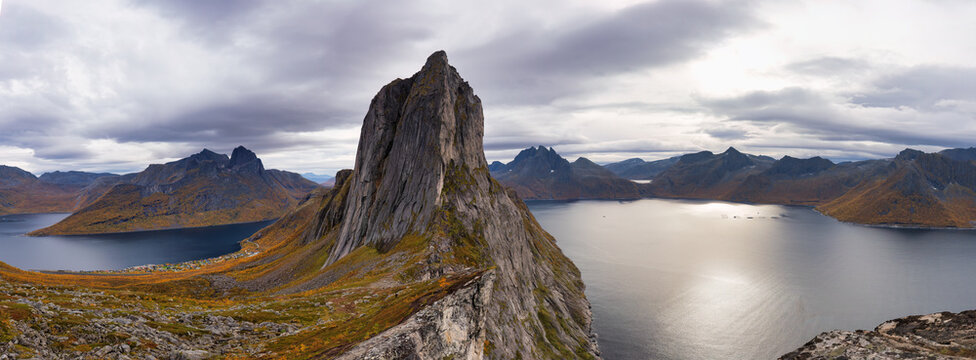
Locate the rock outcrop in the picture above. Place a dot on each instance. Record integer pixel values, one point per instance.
(935, 336)
(421, 170)
(203, 189)
(415, 132)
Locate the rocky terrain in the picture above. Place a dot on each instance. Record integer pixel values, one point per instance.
(69, 323)
(540, 173)
(417, 253)
(201, 190)
(935, 336)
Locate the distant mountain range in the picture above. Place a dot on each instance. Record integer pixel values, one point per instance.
(324, 180)
(638, 169)
(912, 189)
(201, 190)
(22, 192)
(540, 173)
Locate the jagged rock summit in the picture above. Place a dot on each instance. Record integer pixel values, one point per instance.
(416, 130)
(421, 173)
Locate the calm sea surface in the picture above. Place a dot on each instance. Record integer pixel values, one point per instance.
(671, 279)
(115, 251)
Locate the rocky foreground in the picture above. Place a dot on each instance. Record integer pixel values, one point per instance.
(77, 323)
(936, 336)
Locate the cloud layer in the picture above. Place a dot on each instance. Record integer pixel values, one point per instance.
(111, 85)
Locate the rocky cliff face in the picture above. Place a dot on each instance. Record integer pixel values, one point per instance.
(203, 189)
(415, 132)
(541, 173)
(421, 170)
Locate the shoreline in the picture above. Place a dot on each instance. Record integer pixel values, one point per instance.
(149, 269)
(897, 226)
(811, 207)
(28, 234)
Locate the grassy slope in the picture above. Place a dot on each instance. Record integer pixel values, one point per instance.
(369, 292)
(880, 202)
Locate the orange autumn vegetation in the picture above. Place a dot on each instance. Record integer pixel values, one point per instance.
(370, 291)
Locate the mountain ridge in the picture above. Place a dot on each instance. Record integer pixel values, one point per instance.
(57, 192)
(202, 189)
(541, 173)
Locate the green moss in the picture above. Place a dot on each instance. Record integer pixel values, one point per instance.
(469, 245)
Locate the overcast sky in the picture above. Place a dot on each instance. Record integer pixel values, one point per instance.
(113, 85)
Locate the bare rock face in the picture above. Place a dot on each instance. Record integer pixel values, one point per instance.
(421, 172)
(454, 325)
(414, 130)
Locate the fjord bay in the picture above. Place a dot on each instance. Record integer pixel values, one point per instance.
(677, 279)
(113, 251)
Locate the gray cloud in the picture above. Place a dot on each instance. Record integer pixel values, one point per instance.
(211, 17)
(292, 79)
(536, 64)
(828, 66)
(800, 111)
(924, 87)
(27, 28)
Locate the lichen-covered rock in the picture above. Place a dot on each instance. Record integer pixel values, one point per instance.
(935, 336)
(453, 327)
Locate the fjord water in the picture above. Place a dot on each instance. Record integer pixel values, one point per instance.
(112, 251)
(674, 279)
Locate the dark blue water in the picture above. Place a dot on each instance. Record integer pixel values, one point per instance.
(113, 251)
(701, 280)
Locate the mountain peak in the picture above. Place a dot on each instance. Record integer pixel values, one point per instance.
(438, 58)
(417, 132)
(732, 151)
(207, 155)
(206, 152)
(14, 176)
(908, 154)
(242, 156)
